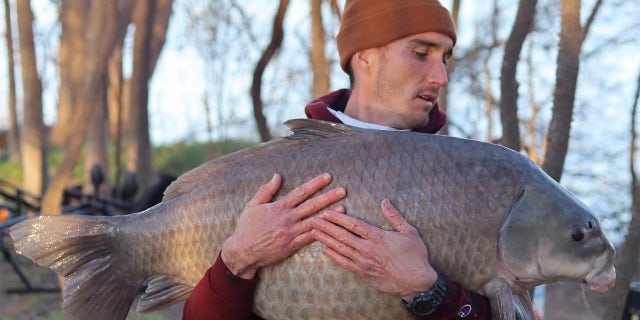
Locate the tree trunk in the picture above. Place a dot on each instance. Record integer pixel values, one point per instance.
(508, 82)
(115, 108)
(106, 26)
(568, 64)
(319, 62)
(151, 19)
(14, 128)
(627, 262)
(71, 60)
(256, 86)
(33, 141)
(139, 145)
(96, 144)
(529, 140)
(335, 7)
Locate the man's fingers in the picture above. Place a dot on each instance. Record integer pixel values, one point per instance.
(320, 202)
(340, 259)
(330, 228)
(335, 238)
(354, 225)
(301, 240)
(393, 216)
(266, 191)
(304, 191)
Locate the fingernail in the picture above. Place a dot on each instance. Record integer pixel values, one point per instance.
(326, 176)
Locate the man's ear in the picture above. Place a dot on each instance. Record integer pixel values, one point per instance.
(363, 59)
(363, 56)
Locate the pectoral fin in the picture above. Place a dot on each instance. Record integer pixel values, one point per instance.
(161, 292)
(507, 306)
(523, 306)
(500, 295)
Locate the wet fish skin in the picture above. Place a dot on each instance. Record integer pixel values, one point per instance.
(483, 211)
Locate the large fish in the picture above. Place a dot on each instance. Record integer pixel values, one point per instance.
(491, 219)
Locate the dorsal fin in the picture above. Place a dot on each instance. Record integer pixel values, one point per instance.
(303, 129)
(310, 128)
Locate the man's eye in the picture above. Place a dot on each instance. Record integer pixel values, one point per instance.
(421, 54)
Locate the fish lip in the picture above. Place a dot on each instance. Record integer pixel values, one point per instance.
(601, 281)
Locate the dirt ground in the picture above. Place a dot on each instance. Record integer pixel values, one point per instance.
(46, 306)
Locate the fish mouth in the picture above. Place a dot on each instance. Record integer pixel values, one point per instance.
(601, 282)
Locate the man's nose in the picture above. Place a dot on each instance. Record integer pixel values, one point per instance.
(438, 75)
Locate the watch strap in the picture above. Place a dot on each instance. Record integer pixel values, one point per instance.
(426, 302)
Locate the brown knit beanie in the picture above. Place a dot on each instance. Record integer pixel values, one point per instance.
(373, 23)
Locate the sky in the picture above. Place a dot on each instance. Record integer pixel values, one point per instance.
(180, 81)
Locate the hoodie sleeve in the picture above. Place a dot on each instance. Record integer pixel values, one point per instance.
(458, 303)
(220, 295)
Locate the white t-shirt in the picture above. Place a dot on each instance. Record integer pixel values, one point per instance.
(348, 120)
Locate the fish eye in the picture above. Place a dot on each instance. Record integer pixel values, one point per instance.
(577, 233)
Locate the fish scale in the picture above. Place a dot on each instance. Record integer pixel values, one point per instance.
(468, 200)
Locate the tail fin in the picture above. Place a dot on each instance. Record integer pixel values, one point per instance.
(79, 248)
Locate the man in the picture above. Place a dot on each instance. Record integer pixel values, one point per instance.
(395, 53)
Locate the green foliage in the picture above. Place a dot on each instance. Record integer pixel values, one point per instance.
(173, 159)
(11, 172)
(55, 157)
(178, 158)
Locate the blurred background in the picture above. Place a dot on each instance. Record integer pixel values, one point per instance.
(105, 102)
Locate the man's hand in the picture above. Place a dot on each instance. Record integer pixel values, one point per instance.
(394, 262)
(269, 232)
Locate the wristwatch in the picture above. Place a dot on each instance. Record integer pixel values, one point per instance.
(426, 302)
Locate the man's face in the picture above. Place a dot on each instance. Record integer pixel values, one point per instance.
(408, 76)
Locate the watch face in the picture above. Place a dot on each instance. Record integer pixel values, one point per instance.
(425, 305)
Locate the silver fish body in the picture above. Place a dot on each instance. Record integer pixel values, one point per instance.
(491, 219)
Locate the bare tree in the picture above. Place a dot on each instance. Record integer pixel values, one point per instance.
(319, 62)
(530, 137)
(508, 82)
(32, 135)
(73, 18)
(97, 139)
(627, 262)
(14, 129)
(473, 66)
(256, 86)
(572, 36)
(115, 107)
(104, 27)
(489, 99)
(151, 18)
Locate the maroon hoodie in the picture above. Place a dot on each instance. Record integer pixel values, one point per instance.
(337, 100)
(221, 295)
